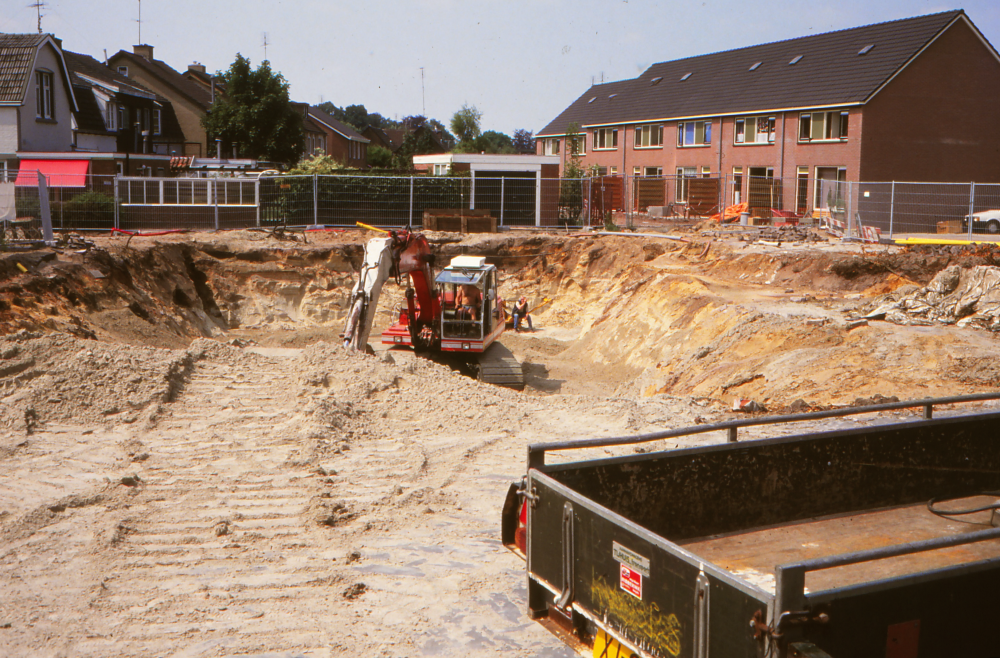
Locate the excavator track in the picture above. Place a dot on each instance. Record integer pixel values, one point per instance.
(498, 366)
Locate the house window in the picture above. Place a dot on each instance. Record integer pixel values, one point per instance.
(754, 130)
(577, 144)
(681, 186)
(637, 171)
(737, 184)
(145, 119)
(694, 133)
(614, 171)
(441, 169)
(111, 116)
(801, 190)
(823, 126)
(830, 189)
(606, 138)
(123, 70)
(44, 107)
(654, 172)
(648, 137)
(122, 117)
(551, 147)
(157, 121)
(706, 172)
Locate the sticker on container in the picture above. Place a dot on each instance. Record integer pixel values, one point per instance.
(632, 560)
(630, 581)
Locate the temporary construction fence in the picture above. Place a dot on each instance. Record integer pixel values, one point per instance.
(133, 203)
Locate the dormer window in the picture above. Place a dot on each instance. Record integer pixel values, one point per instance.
(123, 70)
(44, 104)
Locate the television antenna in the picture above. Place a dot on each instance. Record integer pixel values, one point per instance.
(39, 5)
(423, 95)
(139, 21)
(265, 46)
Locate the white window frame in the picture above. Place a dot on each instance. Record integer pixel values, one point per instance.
(649, 137)
(613, 170)
(551, 146)
(605, 139)
(827, 126)
(111, 116)
(684, 174)
(750, 126)
(701, 130)
(157, 126)
(44, 102)
(737, 185)
(123, 70)
(441, 169)
(652, 172)
(818, 184)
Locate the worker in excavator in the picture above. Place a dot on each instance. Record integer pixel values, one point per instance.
(468, 301)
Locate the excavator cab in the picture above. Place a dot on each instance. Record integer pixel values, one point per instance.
(470, 320)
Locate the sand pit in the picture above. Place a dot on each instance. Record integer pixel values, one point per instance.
(190, 464)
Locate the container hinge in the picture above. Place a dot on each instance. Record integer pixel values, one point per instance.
(566, 597)
(530, 496)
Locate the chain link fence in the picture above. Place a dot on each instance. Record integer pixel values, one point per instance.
(93, 202)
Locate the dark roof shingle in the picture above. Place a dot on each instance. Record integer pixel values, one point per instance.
(830, 72)
(17, 53)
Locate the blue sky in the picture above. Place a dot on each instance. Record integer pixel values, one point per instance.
(520, 62)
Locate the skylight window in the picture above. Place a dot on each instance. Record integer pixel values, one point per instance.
(796, 59)
(655, 81)
(592, 99)
(864, 51)
(685, 77)
(755, 66)
(612, 95)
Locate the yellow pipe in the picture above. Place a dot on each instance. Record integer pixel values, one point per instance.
(939, 241)
(372, 228)
(541, 304)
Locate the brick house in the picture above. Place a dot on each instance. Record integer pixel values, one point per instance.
(908, 100)
(118, 115)
(191, 98)
(342, 142)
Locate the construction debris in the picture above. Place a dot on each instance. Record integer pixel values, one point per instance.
(966, 297)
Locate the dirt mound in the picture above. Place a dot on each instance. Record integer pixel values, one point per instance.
(62, 379)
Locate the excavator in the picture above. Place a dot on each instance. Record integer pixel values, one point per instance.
(456, 316)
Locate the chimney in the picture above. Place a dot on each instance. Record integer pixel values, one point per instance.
(144, 51)
(196, 67)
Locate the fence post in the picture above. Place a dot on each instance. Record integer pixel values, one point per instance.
(315, 200)
(411, 203)
(892, 205)
(972, 202)
(851, 224)
(43, 207)
(256, 199)
(501, 200)
(215, 199)
(117, 203)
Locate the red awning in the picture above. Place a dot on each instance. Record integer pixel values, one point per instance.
(58, 173)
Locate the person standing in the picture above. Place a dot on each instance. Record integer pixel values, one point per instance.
(521, 312)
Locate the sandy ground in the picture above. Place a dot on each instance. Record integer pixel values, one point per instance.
(163, 492)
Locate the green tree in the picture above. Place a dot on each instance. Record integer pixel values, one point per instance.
(492, 141)
(379, 157)
(524, 141)
(255, 114)
(465, 124)
(571, 188)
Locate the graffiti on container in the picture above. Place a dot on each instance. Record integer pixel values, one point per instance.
(641, 622)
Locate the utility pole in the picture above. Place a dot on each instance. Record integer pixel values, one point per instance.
(423, 96)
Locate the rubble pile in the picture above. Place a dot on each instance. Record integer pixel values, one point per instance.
(966, 297)
(781, 234)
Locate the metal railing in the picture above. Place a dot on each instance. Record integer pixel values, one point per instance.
(131, 203)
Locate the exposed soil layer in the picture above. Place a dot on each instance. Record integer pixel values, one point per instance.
(191, 464)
